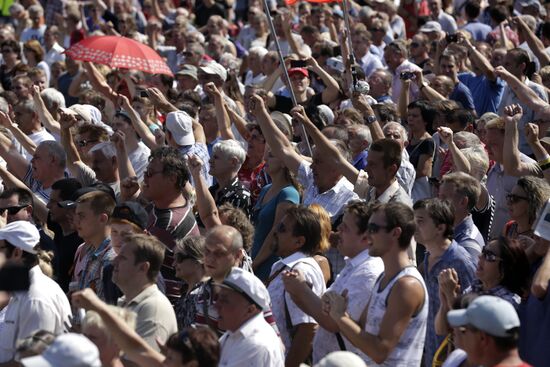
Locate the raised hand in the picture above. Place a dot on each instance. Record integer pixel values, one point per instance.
(195, 165)
(513, 113)
(66, 120)
(5, 120)
(256, 105)
(446, 135)
(118, 139)
(338, 303)
(448, 285)
(532, 133)
(294, 281)
(129, 187)
(86, 299)
(212, 90)
(298, 114)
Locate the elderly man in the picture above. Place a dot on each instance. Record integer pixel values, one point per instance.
(249, 339)
(43, 306)
(227, 158)
(136, 268)
(46, 167)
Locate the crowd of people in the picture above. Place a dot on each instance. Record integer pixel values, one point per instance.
(319, 184)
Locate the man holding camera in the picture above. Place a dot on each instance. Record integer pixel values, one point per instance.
(397, 59)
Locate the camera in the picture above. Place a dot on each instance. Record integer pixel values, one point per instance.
(450, 38)
(360, 87)
(298, 63)
(406, 75)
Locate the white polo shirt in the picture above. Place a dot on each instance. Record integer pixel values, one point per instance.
(255, 343)
(43, 307)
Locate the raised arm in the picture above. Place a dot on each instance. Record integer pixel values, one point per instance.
(512, 163)
(208, 211)
(460, 162)
(17, 164)
(19, 135)
(535, 44)
(222, 117)
(125, 168)
(425, 89)
(137, 123)
(542, 156)
(99, 83)
(477, 58)
(44, 115)
(73, 157)
(525, 94)
(133, 346)
(361, 104)
(160, 101)
(287, 29)
(332, 89)
(277, 141)
(404, 98)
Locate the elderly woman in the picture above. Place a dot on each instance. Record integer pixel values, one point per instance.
(524, 202)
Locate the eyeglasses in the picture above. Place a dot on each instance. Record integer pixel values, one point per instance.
(82, 143)
(150, 174)
(375, 228)
(513, 198)
(489, 256)
(12, 210)
(7, 51)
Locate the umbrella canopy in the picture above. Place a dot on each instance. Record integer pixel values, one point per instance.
(119, 52)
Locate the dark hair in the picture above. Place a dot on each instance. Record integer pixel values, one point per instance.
(196, 343)
(14, 45)
(192, 246)
(24, 196)
(391, 151)
(96, 132)
(67, 187)
(514, 266)
(306, 224)
(545, 30)
(236, 218)
(498, 13)
(100, 202)
(537, 191)
(309, 29)
(441, 212)
(398, 215)
(173, 163)
(463, 117)
(362, 212)
(522, 57)
(147, 249)
(508, 342)
(386, 111)
(427, 111)
(472, 8)
(29, 260)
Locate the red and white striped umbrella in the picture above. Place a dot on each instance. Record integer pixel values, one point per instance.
(119, 52)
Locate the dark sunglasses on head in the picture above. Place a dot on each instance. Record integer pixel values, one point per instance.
(375, 228)
(489, 256)
(513, 198)
(12, 210)
(82, 143)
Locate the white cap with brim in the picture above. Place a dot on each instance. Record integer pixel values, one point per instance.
(21, 234)
(341, 359)
(490, 314)
(431, 26)
(213, 68)
(180, 125)
(249, 286)
(67, 350)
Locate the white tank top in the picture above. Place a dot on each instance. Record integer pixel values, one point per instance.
(409, 349)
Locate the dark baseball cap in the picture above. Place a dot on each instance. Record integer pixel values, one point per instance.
(98, 186)
(132, 212)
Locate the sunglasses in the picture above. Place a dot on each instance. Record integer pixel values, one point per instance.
(83, 143)
(12, 210)
(489, 256)
(373, 228)
(513, 198)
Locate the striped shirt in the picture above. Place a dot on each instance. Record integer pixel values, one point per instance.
(235, 194)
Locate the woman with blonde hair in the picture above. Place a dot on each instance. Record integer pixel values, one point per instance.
(324, 244)
(34, 54)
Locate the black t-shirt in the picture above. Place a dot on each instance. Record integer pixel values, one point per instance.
(65, 249)
(425, 146)
(203, 13)
(284, 104)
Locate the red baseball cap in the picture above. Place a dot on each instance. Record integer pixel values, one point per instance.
(302, 71)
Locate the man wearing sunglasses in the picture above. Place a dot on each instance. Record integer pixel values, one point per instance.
(396, 315)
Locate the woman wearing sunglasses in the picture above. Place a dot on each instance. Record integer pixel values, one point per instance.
(502, 271)
(524, 202)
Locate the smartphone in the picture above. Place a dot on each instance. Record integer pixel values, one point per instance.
(298, 63)
(406, 75)
(144, 94)
(450, 38)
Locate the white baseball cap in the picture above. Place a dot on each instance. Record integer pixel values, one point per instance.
(248, 285)
(21, 234)
(431, 26)
(214, 68)
(67, 350)
(490, 314)
(341, 359)
(180, 125)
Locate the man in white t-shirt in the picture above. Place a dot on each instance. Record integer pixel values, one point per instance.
(36, 30)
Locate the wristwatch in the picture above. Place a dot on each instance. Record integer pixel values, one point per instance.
(370, 119)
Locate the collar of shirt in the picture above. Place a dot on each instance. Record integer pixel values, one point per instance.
(341, 185)
(387, 194)
(359, 258)
(227, 189)
(291, 260)
(146, 293)
(249, 327)
(103, 247)
(446, 255)
(464, 225)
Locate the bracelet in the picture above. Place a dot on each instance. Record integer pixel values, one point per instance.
(544, 161)
(545, 166)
